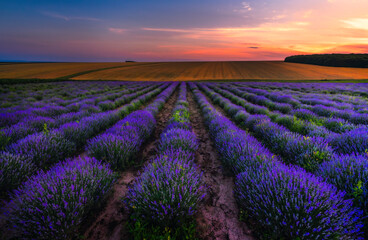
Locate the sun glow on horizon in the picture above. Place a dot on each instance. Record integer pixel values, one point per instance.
(236, 30)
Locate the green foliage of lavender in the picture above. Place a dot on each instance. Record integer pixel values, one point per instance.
(354, 141)
(143, 230)
(45, 148)
(179, 139)
(167, 193)
(118, 151)
(307, 152)
(14, 170)
(349, 173)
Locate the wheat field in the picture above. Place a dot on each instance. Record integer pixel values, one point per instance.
(180, 71)
(49, 70)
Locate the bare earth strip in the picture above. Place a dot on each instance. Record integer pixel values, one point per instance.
(218, 217)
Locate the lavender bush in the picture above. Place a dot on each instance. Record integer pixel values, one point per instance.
(39, 122)
(288, 203)
(76, 132)
(167, 193)
(142, 120)
(53, 204)
(304, 114)
(14, 133)
(354, 141)
(338, 125)
(348, 173)
(117, 150)
(179, 139)
(119, 144)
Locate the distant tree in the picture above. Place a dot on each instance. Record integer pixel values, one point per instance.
(333, 60)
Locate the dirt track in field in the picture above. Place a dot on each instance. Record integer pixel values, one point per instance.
(218, 217)
(110, 223)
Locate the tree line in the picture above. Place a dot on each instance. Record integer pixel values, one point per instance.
(333, 60)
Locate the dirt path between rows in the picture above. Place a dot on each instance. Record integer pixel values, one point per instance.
(110, 223)
(218, 217)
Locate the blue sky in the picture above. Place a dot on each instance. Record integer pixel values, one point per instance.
(163, 30)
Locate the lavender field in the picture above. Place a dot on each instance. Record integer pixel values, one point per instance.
(183, 160)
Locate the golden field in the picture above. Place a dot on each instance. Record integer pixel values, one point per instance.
(49, 70)
(182, 71)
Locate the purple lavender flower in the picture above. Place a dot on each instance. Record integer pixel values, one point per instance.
(304, 114)
(179, 139)
(117, 150)
(167, 193)
(289, 203)
(354, 141)
(52, 204)
(348, 173)
(44, 149)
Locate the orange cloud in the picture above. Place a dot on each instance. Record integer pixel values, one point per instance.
(332, 26)
(356, 23)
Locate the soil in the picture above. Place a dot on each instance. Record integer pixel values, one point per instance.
(111, 222)
(218, 216)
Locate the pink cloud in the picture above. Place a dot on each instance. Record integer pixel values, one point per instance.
(117, 30)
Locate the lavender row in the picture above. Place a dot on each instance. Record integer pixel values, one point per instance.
(308, 101)
(350, 89)
(49, 147)
(289, 121)
(18, 97)
(284, 202)
(13, 116)
(167, 193)
(312, 153)
(306, 122)
(86, 127)
(326, 111)
(353, 141)
(307, 152)
(119, 144)
(32, 123)
(36, 106)
(59, 106)
(54, 204)
(327, 116)
(50, 112)
(299, 98)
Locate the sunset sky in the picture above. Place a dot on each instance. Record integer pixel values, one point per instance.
(167, 30)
